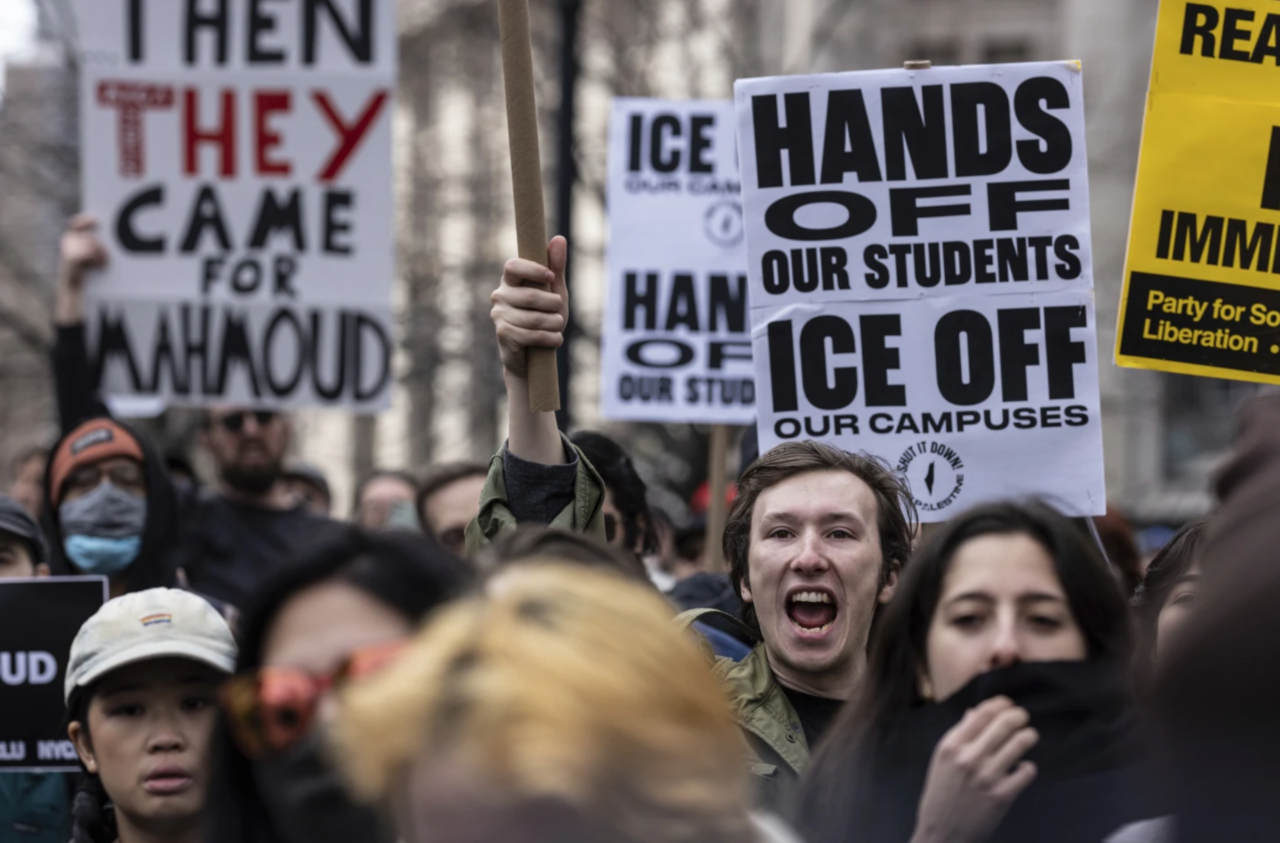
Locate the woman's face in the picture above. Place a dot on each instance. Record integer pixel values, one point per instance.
(1177, 608)
(320, 627)
(149, 730)
(1001, 603)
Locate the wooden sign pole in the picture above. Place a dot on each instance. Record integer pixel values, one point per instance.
(526, 178)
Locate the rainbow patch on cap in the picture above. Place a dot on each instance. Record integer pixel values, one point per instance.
(160, 619)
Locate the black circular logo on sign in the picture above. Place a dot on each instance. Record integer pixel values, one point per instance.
(936, 474)
(723, 224)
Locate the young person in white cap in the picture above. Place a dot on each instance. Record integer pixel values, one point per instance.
(141, 692)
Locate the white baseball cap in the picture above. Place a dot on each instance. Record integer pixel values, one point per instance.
(153, 624)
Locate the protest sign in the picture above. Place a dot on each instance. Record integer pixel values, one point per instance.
(676, 345)
(921, 276)
(238, 158)
(39, 618)
(1202, 285)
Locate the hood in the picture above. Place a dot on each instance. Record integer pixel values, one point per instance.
(156, 561)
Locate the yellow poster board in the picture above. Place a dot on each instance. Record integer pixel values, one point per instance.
(1202, 280)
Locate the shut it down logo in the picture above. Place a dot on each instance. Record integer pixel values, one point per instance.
(935, 473)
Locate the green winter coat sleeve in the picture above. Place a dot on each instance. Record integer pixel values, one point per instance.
(584, 515)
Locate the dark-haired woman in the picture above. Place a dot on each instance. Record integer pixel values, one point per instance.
(339, 612)
(141, 692)
(1164, 601)
(997, 706)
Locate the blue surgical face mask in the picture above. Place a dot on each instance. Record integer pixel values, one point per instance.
(103, 529)
(103, 556)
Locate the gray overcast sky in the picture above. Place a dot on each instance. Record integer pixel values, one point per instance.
(17, 24)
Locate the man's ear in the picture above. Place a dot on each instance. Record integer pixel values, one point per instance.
(84, 748)
(43, 570)
(890, 584)
(744, 590)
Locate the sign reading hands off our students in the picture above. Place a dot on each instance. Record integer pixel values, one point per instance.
(1202, 285)
(676, 345)
(39, 619)
(238, 157)
(921, 279)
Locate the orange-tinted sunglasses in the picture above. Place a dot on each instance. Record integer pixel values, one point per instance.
(273, 708)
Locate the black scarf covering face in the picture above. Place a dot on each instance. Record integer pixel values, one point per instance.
(1091, 779)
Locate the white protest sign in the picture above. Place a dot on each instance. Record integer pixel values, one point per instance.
(921, 276)
(676, 343)
(238, 157)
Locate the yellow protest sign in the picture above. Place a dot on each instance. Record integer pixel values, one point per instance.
(1202, 281)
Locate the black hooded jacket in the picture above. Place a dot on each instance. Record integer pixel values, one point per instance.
(156, 564)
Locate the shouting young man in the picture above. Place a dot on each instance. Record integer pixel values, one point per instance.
(815, 542)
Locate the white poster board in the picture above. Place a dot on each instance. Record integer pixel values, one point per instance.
(676, 342)
(921, 276)
(237, 155)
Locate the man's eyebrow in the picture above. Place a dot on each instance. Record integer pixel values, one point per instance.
(841, 515)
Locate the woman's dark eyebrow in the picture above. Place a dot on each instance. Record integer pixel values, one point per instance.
(1187, 578)
(978, 596)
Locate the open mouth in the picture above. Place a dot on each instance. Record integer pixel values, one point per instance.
(812, 610)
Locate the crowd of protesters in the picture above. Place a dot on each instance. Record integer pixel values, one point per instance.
(528, 651)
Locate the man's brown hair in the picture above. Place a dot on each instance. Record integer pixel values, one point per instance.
(896, 518)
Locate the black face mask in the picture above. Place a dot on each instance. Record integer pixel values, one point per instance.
(305, 799)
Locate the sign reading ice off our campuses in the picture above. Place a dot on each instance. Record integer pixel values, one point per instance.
(920, 276)
(238, 157)
(1202, 285)
(676, 344)
(39, 618)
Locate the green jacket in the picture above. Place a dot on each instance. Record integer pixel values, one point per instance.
(779, 752)
(584, 515)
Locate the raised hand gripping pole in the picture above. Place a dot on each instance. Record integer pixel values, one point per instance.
(526, 178)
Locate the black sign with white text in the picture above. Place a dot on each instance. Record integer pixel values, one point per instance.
(39, 618)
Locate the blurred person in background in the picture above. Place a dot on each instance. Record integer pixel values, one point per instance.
(815, 542)
(22, 547)
(27, 470)
(663, 563)
(562, 705)
(386, 498)
(33, 805)
(997, 704)
(236, 534)
(182, 473)
(449, 500)
(628, 523)
(1166, 600)
(141, 692)
(539, 476)
(1217, 695)
(531, 542)
(1121, 546)
(230, 536)
(308, 482)
(339, 611)
(111, 509)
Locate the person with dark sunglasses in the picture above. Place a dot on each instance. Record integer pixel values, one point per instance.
(235, 534)
(339, 612)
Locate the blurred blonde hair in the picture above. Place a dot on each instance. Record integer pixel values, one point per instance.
(563, 684)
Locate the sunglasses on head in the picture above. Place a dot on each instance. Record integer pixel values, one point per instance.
(234, 422)
(273, 708)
